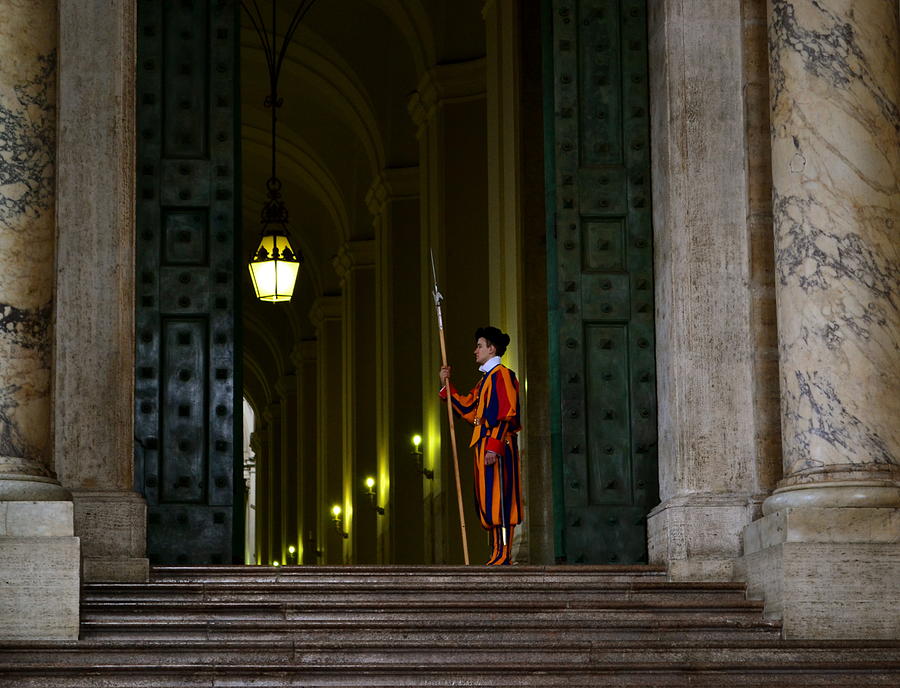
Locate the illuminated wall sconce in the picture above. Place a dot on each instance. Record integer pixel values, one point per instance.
(370, 491)
(417, 457)
(276, 563)
(292, 554)
(338, 520)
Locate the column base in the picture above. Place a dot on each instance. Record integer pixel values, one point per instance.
(827, 573)
(112, 526)
(17, 487)
(855, 493)
(40, 562)
(698, 537)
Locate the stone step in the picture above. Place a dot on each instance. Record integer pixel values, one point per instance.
(667, 664)
(479, 676)
(285, 627)
(526, 632)
(416, 613)
(440, 574)
(291, 592)
(501, 651)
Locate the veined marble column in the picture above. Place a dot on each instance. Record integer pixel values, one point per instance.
(836, 174)
(393, 200)
(326, 316)
(27, 229)
(826, 554)
(39, 557)
(355, 265)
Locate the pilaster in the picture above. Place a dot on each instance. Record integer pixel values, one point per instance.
(394, 203)
(94, 374)
(290, 460)
(355, 265)
(305, 359)
(326, 316)
(713, 471)
(502, 27)
(449, 111)
(272, 499)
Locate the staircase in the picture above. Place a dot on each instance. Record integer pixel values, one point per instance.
(434, 626)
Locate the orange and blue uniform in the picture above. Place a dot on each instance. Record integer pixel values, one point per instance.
(493, 408)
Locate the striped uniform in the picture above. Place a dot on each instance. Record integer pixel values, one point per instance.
(493, 408)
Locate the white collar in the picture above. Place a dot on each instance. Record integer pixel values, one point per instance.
(489, 365)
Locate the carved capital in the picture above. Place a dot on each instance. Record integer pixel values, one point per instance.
(456, 82)
(354, 255)
(286, 386)
(325, 308)
(392, 184)
(304, 351)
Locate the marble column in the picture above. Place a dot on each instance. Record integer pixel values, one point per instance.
(94, 343)
(827, 552)
(716, 381)
(393, 200)
(39, 555)
(355, 265)
(326, 316)
(304, 357)
(449, 111)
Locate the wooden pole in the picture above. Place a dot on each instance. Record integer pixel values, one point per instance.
(462, 516)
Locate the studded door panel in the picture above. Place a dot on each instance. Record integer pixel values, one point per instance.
(603, 259)
(187, 388)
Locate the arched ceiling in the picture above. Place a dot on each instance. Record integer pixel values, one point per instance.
(346, 82)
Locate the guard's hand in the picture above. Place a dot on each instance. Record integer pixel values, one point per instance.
(490, 458)
(445, 374)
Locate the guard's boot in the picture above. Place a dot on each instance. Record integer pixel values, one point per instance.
(505, 551)
(496, 546)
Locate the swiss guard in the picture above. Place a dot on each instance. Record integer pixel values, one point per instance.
(493, 409)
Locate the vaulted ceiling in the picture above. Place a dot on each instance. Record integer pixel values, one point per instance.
(346, 82)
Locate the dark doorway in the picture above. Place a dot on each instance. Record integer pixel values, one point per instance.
(187, 378)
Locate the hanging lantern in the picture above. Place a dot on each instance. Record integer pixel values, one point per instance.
(274, 269)
(275, 264)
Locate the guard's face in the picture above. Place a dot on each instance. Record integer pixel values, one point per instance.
(484, 352)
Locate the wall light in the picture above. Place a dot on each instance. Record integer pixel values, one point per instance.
(416, 453)
(370, 491)
(338, 520)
